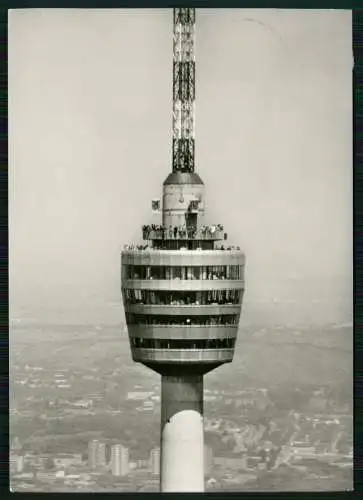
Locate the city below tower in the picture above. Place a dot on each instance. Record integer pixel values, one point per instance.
(183, 288)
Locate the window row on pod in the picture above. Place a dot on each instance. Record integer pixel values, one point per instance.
(184, 272)
(142, 343)
(184, 245)
(166, 320)
(182, 297)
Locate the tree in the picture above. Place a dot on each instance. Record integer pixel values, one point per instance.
(49, 464)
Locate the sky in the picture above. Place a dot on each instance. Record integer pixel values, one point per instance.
(90, 130)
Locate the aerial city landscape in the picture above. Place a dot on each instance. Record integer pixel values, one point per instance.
(84, 417)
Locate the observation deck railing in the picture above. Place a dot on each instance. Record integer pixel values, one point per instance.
(147, 248)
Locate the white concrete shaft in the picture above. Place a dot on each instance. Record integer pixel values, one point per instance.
(182, 441)
(182, 453)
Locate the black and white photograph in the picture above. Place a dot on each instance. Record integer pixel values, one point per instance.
(180, 250)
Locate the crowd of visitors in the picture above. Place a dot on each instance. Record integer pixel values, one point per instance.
(227, 248)
(136, 247)
(155, 247)
(155, 231)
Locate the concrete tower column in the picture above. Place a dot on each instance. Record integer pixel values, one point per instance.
(179, 190)
(182, 440)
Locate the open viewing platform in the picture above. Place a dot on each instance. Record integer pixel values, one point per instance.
(203, 233)
(133, 249)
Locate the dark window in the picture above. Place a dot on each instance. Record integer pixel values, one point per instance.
(176, 273)
(185, 273)
(182, 297)
(142, 343)
(169, 320)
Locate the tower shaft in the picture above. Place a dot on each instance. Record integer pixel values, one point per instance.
(182, 439)
(183, 90)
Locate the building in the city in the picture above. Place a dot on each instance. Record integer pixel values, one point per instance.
(155, 461)
(139, 395)
(182, 293)
(208, 459)
(101, 455)
(49, 476)
(16, 463)
(15, 444)
(141, 463)
(120, 465)
(96, 454)
(65, 460)
(92, 453)
(231, 463)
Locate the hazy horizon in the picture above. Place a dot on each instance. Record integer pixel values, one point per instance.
(90, 129)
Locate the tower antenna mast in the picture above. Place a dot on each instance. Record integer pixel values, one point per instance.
(184, 90)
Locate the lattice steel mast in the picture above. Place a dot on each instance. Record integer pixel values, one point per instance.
(183, 90)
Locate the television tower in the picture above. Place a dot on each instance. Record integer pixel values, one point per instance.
(182, 294)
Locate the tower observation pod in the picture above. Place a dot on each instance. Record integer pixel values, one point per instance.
(182, 288)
